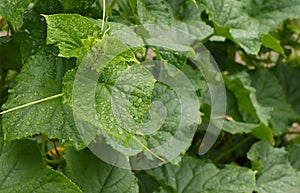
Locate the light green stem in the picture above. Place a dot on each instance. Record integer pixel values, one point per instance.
(31, 103)
(103, 16)
(149, 150)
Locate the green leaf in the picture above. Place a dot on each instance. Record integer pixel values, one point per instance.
(146, 183)
(275, 174)
(294, 156)
(179, 14)
(73, 34)
(11, 60)
(259, 131)
(48, 7)
(139, 98)
(194, 175)
(95, 176)
(247, 20)
(270, 42)
(40, 77)
(238, 127)
(250, 109)
(36, 27)
(289, 78)
(118, 132)
(139, 123)
(263, 132)
(23, 170)
(80, 4)
(13, 11)
(172, 57)
(270, 94)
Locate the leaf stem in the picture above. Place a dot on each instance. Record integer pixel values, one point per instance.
(195, 3)
(241, 143)
(31, 103)
(104, 13)
(149, 150)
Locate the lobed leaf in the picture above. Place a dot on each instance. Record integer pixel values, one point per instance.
(73, 34)
(251, 110)
(40, 77)
(195, 175)
(244, 21)
(95, 176)
(270, 94)
(289, 78)
(275, 174)
(170, 13)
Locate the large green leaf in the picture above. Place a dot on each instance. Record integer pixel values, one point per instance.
(40, 77)
(117, 68)
(13, 11)
(23, 170)
(72, 33)
(134, 113)
(181, 14)
(270, 93)
(95, 176)
(244, 21)
(275, 174)
(139, 98)
(195, 175)
(251, 110)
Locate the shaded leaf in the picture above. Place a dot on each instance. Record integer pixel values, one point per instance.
(13, 11)
(250, 109)
(289, 78)
(95, 176)
(23, 170)
(270, 94)
(194, 175)
(294, 155)
(80, 4)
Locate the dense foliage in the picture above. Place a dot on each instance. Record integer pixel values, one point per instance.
(44, 43)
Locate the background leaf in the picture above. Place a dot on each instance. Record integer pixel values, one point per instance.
(171, 13)
(289, 78)
(249, 107)
(23, 170)
(95, 176)
(13, 11)
(246, 20)
(194, 175)
(270, 94)
(275, 174)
